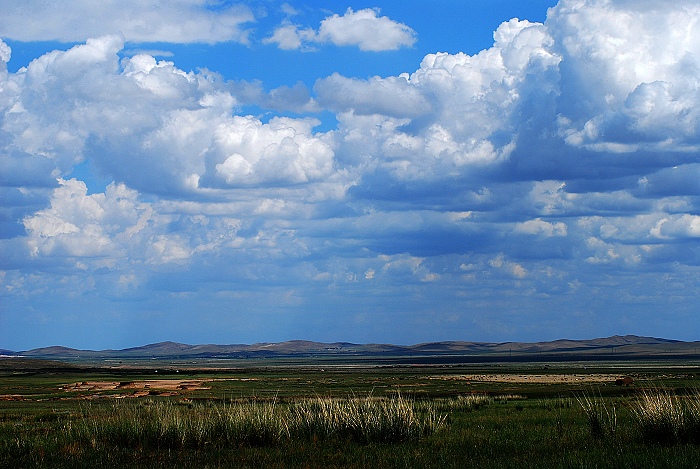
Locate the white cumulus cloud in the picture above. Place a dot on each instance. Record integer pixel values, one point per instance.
(364, 29)
(80, 225)
(454, 112)
(631, 75)
(291, 37)
(247, 152)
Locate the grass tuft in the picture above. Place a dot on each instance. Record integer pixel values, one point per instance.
(668, 419)
(363, 420)
(602, 419)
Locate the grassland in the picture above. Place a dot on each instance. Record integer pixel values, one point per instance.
(319, 414)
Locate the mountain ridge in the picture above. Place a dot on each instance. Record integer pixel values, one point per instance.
(620, 345)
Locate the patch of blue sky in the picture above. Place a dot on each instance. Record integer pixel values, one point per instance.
(86, 172)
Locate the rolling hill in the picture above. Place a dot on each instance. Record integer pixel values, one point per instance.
(618, 347)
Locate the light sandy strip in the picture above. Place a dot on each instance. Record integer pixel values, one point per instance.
(533, 378)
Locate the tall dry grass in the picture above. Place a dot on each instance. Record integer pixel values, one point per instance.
(164, 424)
(462, 402)
(666, 418)
(364, 420)
(601, 416)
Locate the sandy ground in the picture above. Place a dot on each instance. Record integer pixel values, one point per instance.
(95, 389)
(161, 387)
(551, 378)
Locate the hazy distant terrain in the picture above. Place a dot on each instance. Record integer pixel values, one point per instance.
(617, 347)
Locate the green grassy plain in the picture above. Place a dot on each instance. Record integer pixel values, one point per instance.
(526, 415)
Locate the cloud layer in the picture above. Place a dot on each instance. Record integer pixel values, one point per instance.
(159, 21)
(527, 187)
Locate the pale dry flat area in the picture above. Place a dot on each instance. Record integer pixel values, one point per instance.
(544, 378)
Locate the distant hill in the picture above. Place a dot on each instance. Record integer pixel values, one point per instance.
(620, 347)
(32, 364)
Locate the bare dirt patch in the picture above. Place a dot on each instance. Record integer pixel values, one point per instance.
(139, 388)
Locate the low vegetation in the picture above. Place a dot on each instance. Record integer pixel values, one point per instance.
(380, 419)
(172, 425)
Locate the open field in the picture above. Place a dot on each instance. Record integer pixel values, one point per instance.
(277, 413)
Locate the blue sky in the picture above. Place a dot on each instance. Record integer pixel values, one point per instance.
(239, 172)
